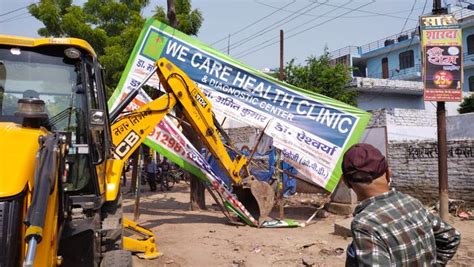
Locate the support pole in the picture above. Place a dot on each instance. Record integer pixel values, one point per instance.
(136, 210)
(442, 144)
(442, 161)
(279, 162)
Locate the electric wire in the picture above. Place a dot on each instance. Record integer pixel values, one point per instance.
(253, 23)
(273, 26)
(13, 11)
(302, 31)
(18, 17)
(388, 53)
(371, 13)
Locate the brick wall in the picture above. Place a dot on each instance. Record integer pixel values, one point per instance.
(402, 117)
(415, 169)
(411, 117)
(241, 136)
(378, 119)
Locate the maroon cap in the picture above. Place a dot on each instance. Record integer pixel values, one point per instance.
(363, 163)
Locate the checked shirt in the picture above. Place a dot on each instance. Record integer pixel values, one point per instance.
(394, 229)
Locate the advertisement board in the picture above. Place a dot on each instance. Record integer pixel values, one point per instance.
(441, 40)
(311, 130)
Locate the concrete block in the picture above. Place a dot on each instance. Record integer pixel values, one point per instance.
(340, 208)
(342, 194)
(343, 227)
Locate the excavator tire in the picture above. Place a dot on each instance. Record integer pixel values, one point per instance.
(117, 258)
(112, 225)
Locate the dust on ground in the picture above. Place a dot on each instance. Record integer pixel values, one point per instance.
(205, 238)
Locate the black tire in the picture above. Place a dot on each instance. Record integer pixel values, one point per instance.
(117, 258)
(170, 181)
(112, 225)
(167, 182)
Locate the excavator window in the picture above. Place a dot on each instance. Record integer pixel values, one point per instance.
(41, 73)
(46, 73)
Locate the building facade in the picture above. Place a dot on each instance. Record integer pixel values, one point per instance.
(388, 72)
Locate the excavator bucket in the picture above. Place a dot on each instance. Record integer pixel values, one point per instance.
(258, 198)
(265, 197)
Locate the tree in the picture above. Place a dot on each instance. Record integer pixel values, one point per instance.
(178, 13)
(319, 75)
(110, 26)
(180, 16)
(467, 105)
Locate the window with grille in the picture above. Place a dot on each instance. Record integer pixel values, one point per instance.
(470, 44)
(471, 84)
(406, 60)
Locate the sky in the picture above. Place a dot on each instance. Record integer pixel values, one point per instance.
(254, 25)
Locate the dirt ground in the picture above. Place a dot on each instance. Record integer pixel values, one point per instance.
(204, 238)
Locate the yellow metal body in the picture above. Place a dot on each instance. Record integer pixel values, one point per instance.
(33, 42)
(198, 109)
(17, 161)
(46, 253)
(132, 129)
(17, 164)
(146, 244)
(113, 174)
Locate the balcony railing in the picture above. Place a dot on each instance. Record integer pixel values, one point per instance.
(387, 41)
(395, 74)
(348, 50)
(390, 40)
(460, 14)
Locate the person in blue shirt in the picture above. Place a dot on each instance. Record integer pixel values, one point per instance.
(151, 173)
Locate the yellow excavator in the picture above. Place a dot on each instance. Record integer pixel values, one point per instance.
(62, 155)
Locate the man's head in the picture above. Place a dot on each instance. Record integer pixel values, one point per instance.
(365, 170)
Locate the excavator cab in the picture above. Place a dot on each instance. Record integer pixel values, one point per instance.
(59, 199)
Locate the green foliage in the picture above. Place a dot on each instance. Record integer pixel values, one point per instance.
(322, 77)
(110, 26)
(467, 105)
(189, 21)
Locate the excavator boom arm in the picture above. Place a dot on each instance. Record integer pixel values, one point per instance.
(198, 110)
(130, 130)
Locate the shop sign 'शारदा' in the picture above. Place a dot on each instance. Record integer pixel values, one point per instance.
(441, 41)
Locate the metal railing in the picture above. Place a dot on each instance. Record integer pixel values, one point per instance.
(348, 50)
(396, 74)
(462, 13)
(390, 40)
(387, 41)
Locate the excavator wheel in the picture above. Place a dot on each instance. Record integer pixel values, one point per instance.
(117, 258)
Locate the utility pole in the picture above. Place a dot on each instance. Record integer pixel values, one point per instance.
(282, 74)
(228, 45)
(442, 143)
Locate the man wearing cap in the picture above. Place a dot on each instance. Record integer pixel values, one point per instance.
(391, 228)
